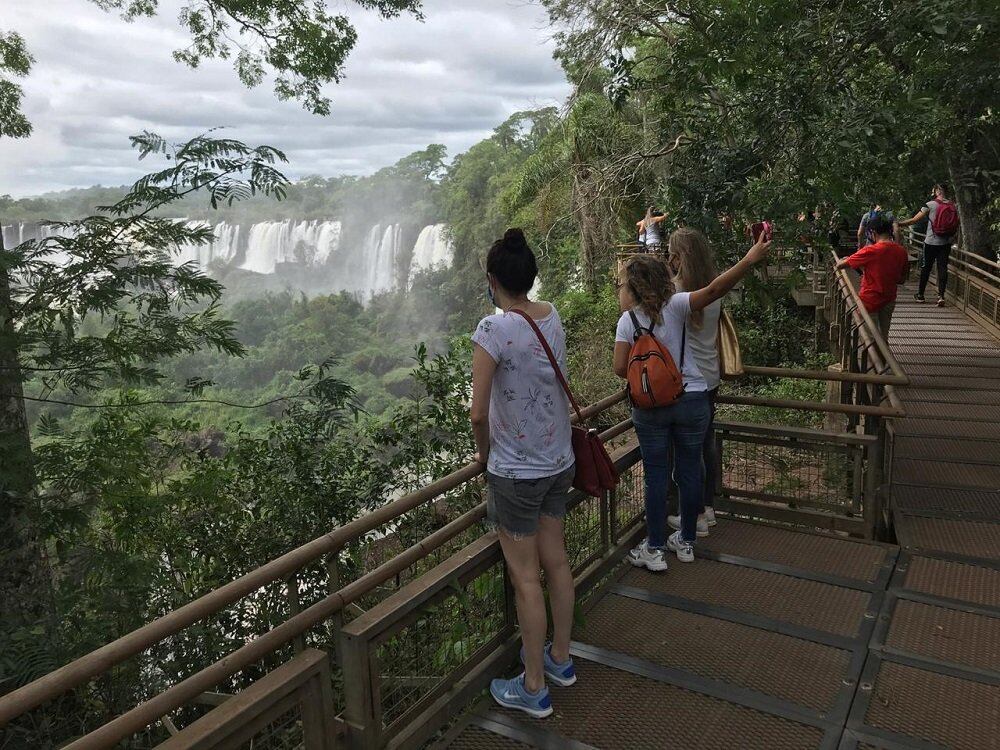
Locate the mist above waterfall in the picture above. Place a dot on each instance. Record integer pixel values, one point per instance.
(312, 250)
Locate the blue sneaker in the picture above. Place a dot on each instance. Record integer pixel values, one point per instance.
(512, 694)
(563, 674)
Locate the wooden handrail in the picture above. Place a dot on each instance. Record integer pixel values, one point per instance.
(104, 658)
(79, 671)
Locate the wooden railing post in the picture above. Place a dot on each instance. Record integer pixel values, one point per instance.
(362, 709)
(319, 726)
(294, 608)
(333, 585)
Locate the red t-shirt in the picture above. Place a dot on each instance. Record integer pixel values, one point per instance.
(884, 265)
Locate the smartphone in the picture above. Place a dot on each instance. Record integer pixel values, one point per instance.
(759, 228)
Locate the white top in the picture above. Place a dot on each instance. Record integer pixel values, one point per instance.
(529, 411)
(705, 343)
(669, 332)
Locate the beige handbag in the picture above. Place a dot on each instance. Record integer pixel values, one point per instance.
(730, 359)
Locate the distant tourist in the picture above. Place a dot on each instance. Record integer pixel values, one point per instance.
(520, 420)
(942, 227)
(652, 308)
(693, 267)
(865, 234)
(650, 231)
(884, 265)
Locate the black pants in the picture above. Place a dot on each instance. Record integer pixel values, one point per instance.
(935, 254)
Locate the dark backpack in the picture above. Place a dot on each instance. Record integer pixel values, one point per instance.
(945, 222)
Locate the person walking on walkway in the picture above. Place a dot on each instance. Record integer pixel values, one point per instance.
(865, 234)
(651, 305)
(693, 267)
(884, 265)
(520, 421)
(941, 230)
(650, 231)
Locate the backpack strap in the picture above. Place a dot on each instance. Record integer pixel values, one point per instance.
(552, 360)
(637, 328)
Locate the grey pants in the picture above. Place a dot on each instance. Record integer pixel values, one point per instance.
(883, 319)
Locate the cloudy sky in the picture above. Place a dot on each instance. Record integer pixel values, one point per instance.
(97, 79)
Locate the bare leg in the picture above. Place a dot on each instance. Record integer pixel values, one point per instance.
(559, 579)
(522, 565)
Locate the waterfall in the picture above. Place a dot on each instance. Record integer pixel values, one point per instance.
(432, 250)
(365, 268)
(380, 251)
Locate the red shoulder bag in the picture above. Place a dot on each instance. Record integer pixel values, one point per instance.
(595, 471)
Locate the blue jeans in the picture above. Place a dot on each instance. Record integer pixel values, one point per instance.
(681, 427)
(708, 454)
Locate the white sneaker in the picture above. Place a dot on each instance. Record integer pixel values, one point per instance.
(684, 550)
(645, 557)
(709, 515)
(701, 525)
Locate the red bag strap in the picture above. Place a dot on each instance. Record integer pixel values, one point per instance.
(552, 360)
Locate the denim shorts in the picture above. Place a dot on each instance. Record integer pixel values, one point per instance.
(515, 505)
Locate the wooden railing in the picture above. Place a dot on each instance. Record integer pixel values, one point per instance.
(404, 645)
(974, 282)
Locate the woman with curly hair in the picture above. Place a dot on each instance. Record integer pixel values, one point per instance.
(648, 297)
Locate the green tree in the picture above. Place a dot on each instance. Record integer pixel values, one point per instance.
(104, 304)
(302, 44)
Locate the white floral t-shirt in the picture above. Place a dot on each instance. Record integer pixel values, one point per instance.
(529, 412)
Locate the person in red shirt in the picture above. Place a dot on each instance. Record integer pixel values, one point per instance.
(884, 265)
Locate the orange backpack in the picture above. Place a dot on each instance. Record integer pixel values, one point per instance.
(653, 378)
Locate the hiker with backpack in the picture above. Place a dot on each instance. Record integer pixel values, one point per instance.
(884, 264)
(942, 227)
(669, 394)
(865, 234)
(521, 426)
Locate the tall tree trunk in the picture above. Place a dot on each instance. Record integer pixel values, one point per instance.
(971, 200)
(25, 580)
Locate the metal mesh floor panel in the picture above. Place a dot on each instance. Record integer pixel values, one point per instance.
(957, 337)
(950, 396)
(840, 557)
(967, 367)
(612, 709)
(946, 500)
(946, 634)
(949, 428)
(946, 473)
(956, 713)
(944, 449)
(796, 670)
(951, 381)
(477, 738)
(969, 538)
(971, 583)
(943, 349)
(832, 609)
(974, 412)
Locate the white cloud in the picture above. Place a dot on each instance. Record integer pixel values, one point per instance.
(96, 80)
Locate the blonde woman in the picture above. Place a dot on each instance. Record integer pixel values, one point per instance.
(693, 267)
(650, 231)
(675, 433)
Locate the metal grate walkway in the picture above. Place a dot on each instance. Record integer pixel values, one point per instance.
(779, 638)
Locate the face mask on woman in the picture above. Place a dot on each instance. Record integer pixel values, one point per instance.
(490, 295)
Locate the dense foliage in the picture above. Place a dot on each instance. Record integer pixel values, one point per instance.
(719, 112)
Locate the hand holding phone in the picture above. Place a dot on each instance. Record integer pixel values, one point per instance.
(761, 228)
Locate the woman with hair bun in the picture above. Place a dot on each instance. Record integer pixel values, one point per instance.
(520, 421)
(647, 297)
